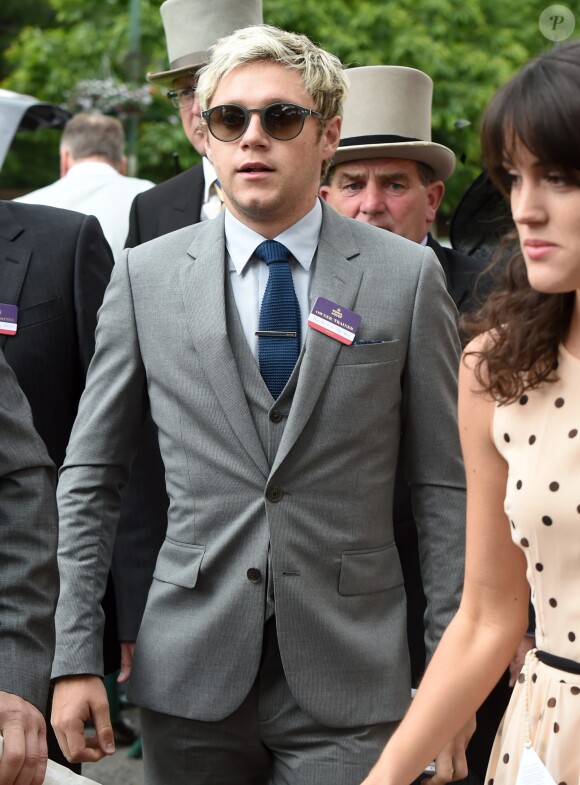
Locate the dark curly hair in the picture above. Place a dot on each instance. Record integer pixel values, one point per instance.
(540, 109)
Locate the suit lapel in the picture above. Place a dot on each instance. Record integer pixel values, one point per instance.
(186, 205)
(204, 301)
(13, 261)
(337, 277)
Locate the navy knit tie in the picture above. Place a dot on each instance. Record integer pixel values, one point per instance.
(279, 325)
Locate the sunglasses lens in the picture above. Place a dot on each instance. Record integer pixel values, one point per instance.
(227, 122)
(283, 121)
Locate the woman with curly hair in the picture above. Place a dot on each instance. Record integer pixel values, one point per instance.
(519, 415)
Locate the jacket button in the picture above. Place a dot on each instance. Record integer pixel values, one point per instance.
(275, 415)
(254, 575)
(274, 493)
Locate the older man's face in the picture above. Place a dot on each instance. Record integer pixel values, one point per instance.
(385, 192)
(190, 115)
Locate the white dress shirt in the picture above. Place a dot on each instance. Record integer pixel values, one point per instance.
(249, 275)
(95, 188)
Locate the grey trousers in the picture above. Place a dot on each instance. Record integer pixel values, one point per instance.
(269, 740)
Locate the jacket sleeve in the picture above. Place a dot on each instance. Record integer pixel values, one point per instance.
(28, 539)
(433, 461)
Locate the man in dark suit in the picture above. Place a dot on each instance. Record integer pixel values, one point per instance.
(273, 644)
(54, 267)
(387, 172)
(191, 27)
(28, 581)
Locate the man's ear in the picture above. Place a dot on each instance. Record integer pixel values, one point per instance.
(66, 161)
(435, 194)
(324, 192)
(331, 135)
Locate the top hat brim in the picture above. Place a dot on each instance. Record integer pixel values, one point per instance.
(167, 78)
(441, 159)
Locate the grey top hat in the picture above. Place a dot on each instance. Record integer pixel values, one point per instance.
(193, 26)
(387, 114)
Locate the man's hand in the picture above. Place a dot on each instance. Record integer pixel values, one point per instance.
(76, 700)
(517, 661)
(451, 763)
(23, 759)
(127, 651)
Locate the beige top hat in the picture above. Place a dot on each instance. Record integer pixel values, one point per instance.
(387, 114)
(193, 26)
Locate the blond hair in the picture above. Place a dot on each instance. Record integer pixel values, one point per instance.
(321, 72)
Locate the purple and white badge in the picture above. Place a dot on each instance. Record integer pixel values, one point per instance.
(8, 319)
(334, 320)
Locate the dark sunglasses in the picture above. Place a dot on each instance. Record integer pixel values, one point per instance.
(227, 122)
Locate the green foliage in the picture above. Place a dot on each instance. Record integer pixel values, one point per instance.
(468, 47)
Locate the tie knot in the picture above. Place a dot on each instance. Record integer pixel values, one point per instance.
(272, 251)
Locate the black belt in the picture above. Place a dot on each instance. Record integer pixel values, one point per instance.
(561, 663)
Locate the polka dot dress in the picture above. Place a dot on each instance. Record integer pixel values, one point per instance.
(539, 436)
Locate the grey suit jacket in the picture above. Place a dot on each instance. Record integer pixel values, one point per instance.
(28, 536)
(324, 507)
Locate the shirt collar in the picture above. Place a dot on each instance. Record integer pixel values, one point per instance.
(209, 177)
(301, 239)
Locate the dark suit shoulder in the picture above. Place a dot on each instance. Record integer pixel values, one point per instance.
(461, 273)
(457, 259)
(38, 218)
(166, 207)
(177, 186)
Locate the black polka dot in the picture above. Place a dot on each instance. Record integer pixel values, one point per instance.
(578, 508)
(562, 783)
(553, 602)
(506, 437)
(556, 727)
(575, 690)
(572, 636)
(532, 439)
(519, 484)
(554, 486)
(551, 703)
(524, 399)
(490, 782)
(524, 542)
(514, 526)
(534, 677)
(573, 433)
(539, 566)
(558, 403)
(521, 678)
(506, 758)
(546, 520)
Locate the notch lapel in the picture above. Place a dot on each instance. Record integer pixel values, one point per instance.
(203, 286)
(14, 261)
(337, 277)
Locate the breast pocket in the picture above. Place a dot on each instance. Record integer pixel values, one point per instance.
(368, 353)
(39, 313)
